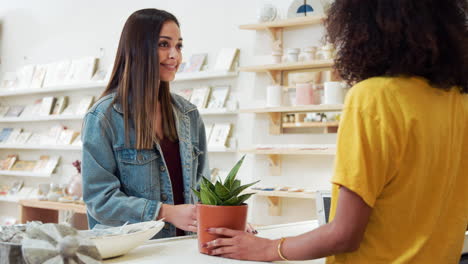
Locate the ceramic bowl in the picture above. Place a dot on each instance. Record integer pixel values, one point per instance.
(117, 245)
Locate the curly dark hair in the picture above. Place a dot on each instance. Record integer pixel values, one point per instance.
(427, 38)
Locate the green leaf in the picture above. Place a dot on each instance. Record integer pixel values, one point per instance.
(206, 198)
(208, 183)
(236, 184)
(241, 199)
(241, 188)
(221, 191)
(197, 193)
(232, 174)
(231, 202)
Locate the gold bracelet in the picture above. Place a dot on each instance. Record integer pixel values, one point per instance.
(279, 249)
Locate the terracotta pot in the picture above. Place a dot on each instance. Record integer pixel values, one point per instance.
(232, 217)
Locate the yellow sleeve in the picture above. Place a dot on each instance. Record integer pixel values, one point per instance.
(366, 159)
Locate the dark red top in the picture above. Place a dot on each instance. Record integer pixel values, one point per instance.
(172, 158)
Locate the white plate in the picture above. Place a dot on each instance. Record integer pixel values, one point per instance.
(117, 245)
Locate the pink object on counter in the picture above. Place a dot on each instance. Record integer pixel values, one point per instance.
(304, 94)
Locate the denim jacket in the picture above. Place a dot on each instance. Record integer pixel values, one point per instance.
(122, 184)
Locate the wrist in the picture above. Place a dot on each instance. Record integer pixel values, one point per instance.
(165, 212)
(272, 252)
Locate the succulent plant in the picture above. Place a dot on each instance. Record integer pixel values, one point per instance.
(227, 193)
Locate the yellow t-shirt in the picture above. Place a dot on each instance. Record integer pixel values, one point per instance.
(403, 148)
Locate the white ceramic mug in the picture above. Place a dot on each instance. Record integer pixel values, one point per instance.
(333, 93)
(274, 94)
(293, 54)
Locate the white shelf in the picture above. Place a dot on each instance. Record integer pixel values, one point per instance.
(216, 111)
(25, 174)
(9, 199)
(192, 76)
(45, 147)
(41, 118)
(61, 88)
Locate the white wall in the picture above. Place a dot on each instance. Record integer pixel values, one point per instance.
(34, 32)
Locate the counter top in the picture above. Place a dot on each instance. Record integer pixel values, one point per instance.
(185, 249)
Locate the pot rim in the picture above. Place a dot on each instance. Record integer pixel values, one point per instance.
(218, 206)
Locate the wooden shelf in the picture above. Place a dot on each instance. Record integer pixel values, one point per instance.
(293, 22)
(310, 124)
(61, 88)
(275, 197)
(41, 118)
(290, 66)
(192, 76)
(295, 109)
(274, 71)
(47, 212)
(77, 208)
(221, 150)
(45, 147)
(218, 111)
(24, 174)
(284, 194)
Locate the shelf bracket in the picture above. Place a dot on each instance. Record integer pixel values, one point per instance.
(276, 35)
(275, 164)
(275, 76)
(275, 123)
(274, 205)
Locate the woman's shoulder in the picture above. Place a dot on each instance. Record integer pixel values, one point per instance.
(102, 104)
(182, 104)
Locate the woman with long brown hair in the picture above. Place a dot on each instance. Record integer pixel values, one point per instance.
(400, 185)
(143, 147)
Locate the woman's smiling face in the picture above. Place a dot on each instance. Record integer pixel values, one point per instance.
(169, 51)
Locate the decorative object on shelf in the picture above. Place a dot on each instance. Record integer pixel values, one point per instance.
(74, 188)
(267, 12)
(218, 96)
(47, 105)
(219, 135)
(38, 76)
(7, 163)
(9, 81)
(84, 104)
(326, 52)
(196, 62)
(277, 56)
(222, 204)
(301, 8)
(274, 94)
(58, 243)
(334, 93)
(55, 192)
(14, 111)
(24, 76)
(304, 94)
(185, 93)
(308, 53)
(293, 54)
(81, 70)
(200, 96)
(5, 134)
(43, 191)
(16, 187)
(225, 59)
(60, 105)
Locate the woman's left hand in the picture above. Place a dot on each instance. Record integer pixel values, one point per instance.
(241, 245)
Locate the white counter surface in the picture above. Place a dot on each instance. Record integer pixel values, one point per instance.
(185, 250)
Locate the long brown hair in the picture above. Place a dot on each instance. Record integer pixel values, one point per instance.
(135, 78)
(401, 37)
